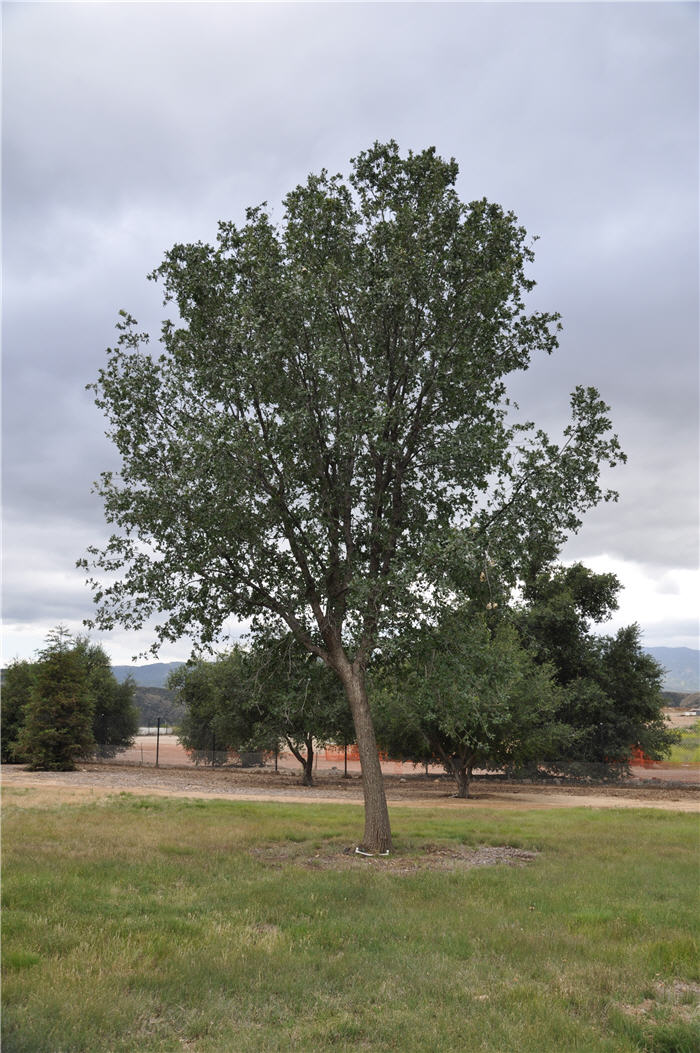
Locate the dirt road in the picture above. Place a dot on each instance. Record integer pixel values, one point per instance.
(171, 753)
(100, 780)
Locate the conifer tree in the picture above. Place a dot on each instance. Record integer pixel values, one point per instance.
(58, 723)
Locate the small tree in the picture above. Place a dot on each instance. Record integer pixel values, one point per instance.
(327, 420)
(116, 719)
(273, 695)
(217, 700)
(469, 695)
(57, 728)
(299, 700)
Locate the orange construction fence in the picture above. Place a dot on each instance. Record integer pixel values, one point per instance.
(337, 753)
(640, 758)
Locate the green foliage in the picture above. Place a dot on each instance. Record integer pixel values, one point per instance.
(330, 406)
(275, 694)
(114, 718)
(325, 431)
(216, 698)
(17, 682)
(115, 721)
(559, 606)
(611, 695)
(57, 727)
(468, 694)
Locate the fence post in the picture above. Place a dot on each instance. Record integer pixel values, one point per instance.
(157, 740)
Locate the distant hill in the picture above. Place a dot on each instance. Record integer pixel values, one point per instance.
(151, 697)
(154, 702)
(681, 665)
(154, 675)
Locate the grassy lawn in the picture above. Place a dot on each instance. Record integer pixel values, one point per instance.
(140, 924)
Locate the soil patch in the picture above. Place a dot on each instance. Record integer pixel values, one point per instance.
(428, 857)
(677, 1001)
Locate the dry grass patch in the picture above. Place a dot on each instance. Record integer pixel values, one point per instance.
(672, 1001)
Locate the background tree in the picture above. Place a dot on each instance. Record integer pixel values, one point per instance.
(611, 698)
(326, 424)
(299, 700)
(276, 695)
(217, 700)
(57, 727)
(467, 695)
(17, 682)
(115, 718)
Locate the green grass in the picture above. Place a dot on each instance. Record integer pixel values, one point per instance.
(687, 751)
(154, 924)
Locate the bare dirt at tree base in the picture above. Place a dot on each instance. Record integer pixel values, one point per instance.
(428, 857)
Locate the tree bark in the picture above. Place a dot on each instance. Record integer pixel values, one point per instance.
(460, 774)
(308, 778)
(463, 775)
(307, 762)
(377, 835)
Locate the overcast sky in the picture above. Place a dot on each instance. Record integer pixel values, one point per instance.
(128, 127)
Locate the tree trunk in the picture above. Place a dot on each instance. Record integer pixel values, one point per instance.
(377, 835)
(307, 762)
(308, 777)
(460, 774)
(463, 775)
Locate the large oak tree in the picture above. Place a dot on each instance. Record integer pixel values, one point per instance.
(325, 427)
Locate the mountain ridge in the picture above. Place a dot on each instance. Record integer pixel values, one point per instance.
(154, 674)
(681, 669)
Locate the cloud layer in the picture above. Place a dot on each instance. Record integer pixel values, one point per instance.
(128, 127)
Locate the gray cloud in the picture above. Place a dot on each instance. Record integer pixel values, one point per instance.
(128, 127)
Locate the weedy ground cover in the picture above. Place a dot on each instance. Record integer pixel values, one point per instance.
(687, 751)
(157, 924)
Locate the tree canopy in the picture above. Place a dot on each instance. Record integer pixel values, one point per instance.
(611, 699)
(325, 429)
(274, 695)
(467, 694)
(115, 717)
(57, 727)
(17, 682)
(37, 700)
(216, 699)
